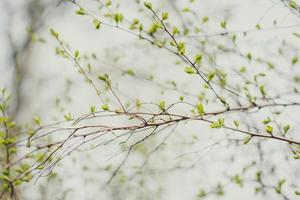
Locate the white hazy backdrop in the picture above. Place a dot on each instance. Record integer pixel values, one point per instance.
(46, 78)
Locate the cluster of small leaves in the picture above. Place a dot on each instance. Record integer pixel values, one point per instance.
(9, 149)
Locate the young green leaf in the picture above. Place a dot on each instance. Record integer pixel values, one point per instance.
(249, 56)
(130, 72)
(236, 123)
(108, 3)
(153, 28)
(181, 98)
(189, 70)
(197, 58)
(218, 124)
(93, 109)
(296, 35)
(76, 54)
(181, 48)
(246, 140)
(293, 4)
(148, 5)
(269, 129)
(118, 18)
(96, 23)
(103, 77)
(267, 120)
(68, 116)
(262, 90)
(37, 120)
(81, 11)
(162, 105)
(165, 16)
(223, 24)
(138, 104)
(200, 109)
(105, 107)
(54, 33)
(211, 75)
(205, 19)
(286, 128)
(294, 60)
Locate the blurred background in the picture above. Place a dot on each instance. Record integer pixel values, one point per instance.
(190, 158)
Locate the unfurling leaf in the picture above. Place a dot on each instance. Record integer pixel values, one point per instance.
(165, 16)
(96, 23)
(217, 124)
(262, 90)
(37, 120)
(189, 70)
(76, 54)
(181, 98)
(148, 5)
(205, 19)
(200, 109)
(162, 105)
(197, 58)
(81, 11)
(175, 31)
(138, 104)
(68, 116)
(54, 33)
(223, 24)
(105, 107)
(118, 18)
(181, 48)
(247, 140)
(93, 109)
(293, 4)
(286, 128)
(236, 123)
(269, 129)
